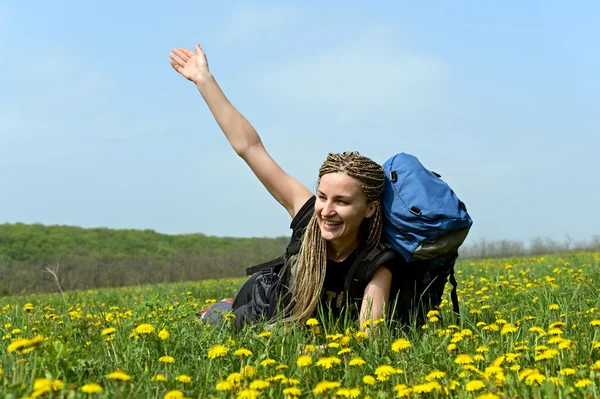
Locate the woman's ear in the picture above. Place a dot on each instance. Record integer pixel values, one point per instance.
(371, 208)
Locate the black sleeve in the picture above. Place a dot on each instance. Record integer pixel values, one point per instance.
(303, 216)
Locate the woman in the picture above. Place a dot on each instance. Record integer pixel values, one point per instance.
(346, 215)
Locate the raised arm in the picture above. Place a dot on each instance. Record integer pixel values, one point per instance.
(242, 136)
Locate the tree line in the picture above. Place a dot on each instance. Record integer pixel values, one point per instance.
(40, 258)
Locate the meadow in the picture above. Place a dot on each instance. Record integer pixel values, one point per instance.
(529, 327)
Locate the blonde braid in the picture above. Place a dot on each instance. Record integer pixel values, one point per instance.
(309, 266)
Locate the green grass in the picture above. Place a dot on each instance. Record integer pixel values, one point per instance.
(530, 327)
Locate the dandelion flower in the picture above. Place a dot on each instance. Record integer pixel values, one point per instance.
(28, 307)
(328, 362)
(119, 376)
(554, 306)
(369, 379)
(163, 334)
(183, 378)
(583, 383)
(357, 361)
(144, 328)
(435, 375)
(235, 378)
(324, 386)
(488, 395)
(474, 385)
(292, 391)
(91, 388)
(166, 359)
(400, 344)
(304, 361)
(217, 351)
(108, 331)
(361, 335)
(567, 371)
(265, 334)
(259, 384)
(248, 371)
(463, 359)
(267, 362)
(224, 386)
(175, 394)
(159, 378)
(243, 352)
(383, 372)
(595, 323)
(312, 322)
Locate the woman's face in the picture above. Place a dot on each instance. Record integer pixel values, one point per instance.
(341, 206)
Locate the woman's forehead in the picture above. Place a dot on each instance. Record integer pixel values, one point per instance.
(339, 184)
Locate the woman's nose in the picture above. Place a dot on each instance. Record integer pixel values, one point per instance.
(327, 209)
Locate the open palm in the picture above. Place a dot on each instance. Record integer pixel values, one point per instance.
(192, 66)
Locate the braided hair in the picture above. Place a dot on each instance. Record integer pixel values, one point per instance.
(309, 266)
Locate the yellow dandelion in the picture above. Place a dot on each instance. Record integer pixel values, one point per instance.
(186, 379)
(28, 307)
(235, 378)
(248, 393)
(224, 386)
(293, 381)
(400, 344)
(488, 395)
(324, 386)
(108, 331)
(144, 328)
(357, 361)
(343, 351)
(384, 371)
(402, 391)
(474, 385)
(119, 376)
(159, 378)
(566, 371)
(309, 348)
(267, 362)
(482, 349)
(312, 322)
(595, 323)
(248, 371)
(91, 388)
(452, 347)
(304, 361)
(369, 379)
(259, 385)
(174, 394)
(333, 345)
(328, 362)
(535, 378)
(556, 381)
(217, 351)
(243, 352)
(292, 392)
(164, 334)
(463, 359)
(508, 328)
(583, 383)
(229, 316)
(265, 334)
(435, 375)
(166, 359)
(361, 335)
(554, 306)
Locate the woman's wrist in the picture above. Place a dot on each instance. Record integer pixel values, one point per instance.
(203, 78)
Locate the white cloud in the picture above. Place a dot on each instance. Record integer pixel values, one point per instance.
(365, 78)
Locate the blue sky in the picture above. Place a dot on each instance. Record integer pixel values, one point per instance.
(96, 129)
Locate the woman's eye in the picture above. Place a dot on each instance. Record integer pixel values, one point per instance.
(342, 202)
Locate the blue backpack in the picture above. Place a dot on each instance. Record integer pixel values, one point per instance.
(423, 218)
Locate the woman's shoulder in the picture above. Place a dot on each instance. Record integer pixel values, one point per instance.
(302, 217)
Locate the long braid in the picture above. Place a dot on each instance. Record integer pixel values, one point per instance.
(309, 266)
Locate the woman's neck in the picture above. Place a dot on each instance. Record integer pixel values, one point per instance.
(339, 251)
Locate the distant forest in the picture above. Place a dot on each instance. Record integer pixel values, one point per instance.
(39, 258)
(100, 257)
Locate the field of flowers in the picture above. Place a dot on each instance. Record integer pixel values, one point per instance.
(530, 327)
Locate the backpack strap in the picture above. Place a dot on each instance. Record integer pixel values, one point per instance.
(365, 264)
(453, 294)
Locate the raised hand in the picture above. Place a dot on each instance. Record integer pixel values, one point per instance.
(192, 66)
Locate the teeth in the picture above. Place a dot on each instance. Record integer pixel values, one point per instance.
(331, 223)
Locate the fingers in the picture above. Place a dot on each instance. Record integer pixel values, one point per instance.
(182, 55)
(175, 65)
(187, 52)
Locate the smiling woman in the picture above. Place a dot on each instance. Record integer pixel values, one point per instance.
(332, 231)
